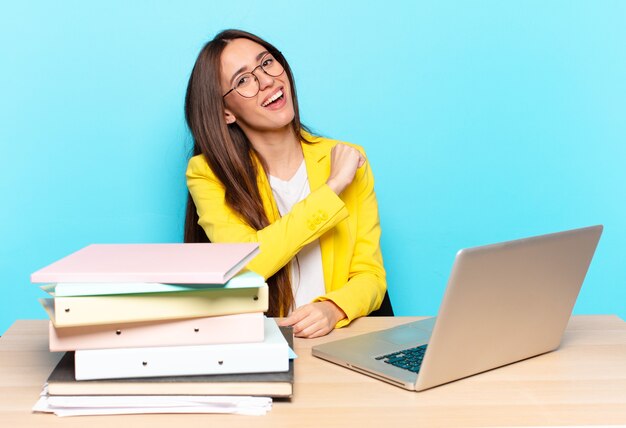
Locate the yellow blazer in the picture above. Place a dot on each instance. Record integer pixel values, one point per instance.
(347, 226)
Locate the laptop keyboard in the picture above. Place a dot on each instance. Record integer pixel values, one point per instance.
(408, 359)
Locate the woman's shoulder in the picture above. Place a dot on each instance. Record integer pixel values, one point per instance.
(328, 143)
(197, 161)
(198, 165)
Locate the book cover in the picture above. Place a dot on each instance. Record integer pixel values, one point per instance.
(160, 263)
(109, 309)
(62, 382)
(244, 279)
(271, 355)
(238, 328)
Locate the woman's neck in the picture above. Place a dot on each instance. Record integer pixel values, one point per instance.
(281, 151)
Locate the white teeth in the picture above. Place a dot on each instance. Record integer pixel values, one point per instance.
(273, 98)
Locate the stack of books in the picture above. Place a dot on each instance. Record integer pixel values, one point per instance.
(163, 319)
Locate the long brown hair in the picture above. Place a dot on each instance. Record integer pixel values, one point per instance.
(229, 153)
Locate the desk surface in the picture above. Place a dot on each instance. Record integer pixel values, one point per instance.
(582, 383)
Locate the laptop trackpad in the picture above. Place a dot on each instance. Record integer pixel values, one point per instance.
(407, 335)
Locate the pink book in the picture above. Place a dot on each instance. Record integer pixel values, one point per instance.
(164, 263)
(239, 328)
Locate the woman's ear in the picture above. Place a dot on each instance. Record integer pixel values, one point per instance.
(229, 116)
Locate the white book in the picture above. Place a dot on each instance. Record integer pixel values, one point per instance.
(271, 355)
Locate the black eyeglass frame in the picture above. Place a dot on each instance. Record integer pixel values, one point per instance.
(251, 72)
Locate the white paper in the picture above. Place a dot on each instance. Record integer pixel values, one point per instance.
(144, 404)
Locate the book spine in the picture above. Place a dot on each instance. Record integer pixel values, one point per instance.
(96, 310)
(238, 328)
(272, 355)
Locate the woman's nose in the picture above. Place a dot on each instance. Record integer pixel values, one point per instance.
(264, 79)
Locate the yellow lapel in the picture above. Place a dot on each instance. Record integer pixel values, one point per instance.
(317, 160)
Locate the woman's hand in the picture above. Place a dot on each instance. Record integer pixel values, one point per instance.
(314, 319)
(344, 162)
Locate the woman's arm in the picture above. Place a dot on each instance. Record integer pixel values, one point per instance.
(366, 286)
(280, 241)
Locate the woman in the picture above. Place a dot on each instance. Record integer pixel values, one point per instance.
(258, 176)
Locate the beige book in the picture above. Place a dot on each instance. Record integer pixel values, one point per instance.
(107, 309)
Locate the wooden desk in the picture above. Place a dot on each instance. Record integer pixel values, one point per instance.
(583, 383)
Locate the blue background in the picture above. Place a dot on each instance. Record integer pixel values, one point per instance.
(484, 121)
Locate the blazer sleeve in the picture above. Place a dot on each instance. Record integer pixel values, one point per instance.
(366, 285)
(279, 242)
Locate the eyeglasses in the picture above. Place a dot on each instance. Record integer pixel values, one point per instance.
(247, 85)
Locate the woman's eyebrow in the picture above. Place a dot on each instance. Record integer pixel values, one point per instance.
(245, 67)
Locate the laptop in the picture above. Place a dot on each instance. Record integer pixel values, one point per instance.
(504, 303)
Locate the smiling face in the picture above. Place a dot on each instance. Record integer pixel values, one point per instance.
(270, 109)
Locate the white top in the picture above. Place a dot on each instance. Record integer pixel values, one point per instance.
(307, 274)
